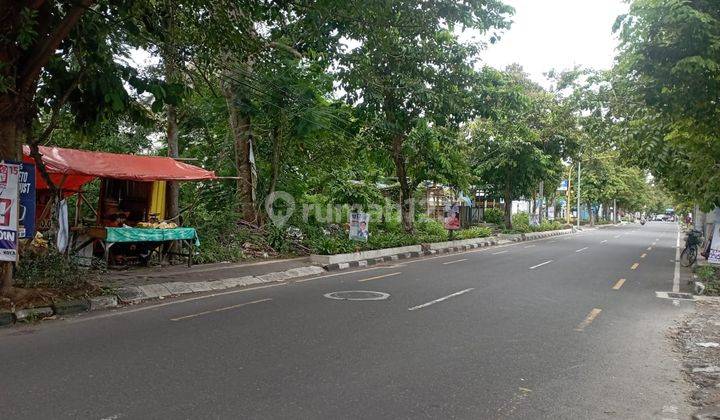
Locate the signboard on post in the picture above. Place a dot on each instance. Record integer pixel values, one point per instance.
(359, 226)
(9, 211)
(26, 185)
(452, 217)
(563, 185)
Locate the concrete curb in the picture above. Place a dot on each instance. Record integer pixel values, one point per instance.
(490, 241)
(61, 308)
(137, 294)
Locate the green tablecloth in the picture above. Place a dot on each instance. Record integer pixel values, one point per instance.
(115, 235)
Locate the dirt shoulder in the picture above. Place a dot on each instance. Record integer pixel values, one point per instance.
(697, 338)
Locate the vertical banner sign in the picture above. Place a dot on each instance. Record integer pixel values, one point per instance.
(26, 185)
(8, 211)
(714, 256)
(551, 212)
(359, 226)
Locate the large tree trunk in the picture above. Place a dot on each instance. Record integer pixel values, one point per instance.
(172, 199)
(170, 61)
(406, 191)
(508, 202)
(20, 72)
(240, 125)
(275, 162)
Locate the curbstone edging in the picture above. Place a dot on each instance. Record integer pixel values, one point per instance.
(493, 241)
(103, 302)
(40, 312)
(156, 290)
(177, 288)
(6, 318)
(130, 294)
(71, 307)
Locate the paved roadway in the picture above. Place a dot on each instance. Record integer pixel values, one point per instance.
(561, 340)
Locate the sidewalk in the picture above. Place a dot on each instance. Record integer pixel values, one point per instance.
(202, 272)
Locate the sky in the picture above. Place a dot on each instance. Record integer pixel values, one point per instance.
(558, 34)
(545, 35)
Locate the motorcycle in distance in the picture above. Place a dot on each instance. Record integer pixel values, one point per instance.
(642, 221)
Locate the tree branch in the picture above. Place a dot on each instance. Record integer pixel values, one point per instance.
(55, 118)
(285, 47)
(37, 157)
(42, 53)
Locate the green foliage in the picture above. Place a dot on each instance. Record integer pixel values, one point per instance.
(51, 270)
(523, 141)
(547, 225)
(667, 78)
(474, 232)
(221, 239)
(431, 227)
(334, 241)
(412, 82)
(521, 222)
(706, 273)
(493, 215)
(710, 277)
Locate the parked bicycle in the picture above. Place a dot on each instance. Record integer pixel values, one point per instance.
(689, 254)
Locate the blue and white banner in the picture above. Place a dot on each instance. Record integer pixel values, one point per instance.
(9, 203)
(27, 200)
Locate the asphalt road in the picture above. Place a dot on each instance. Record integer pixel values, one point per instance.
(480, 334)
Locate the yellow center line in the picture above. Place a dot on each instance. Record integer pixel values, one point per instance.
(619, 284)
(588, 319)
(635, 266)
(455, 261)
(380, 277)
(220, 309)
(643, 256)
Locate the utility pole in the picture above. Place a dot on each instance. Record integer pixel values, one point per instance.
(578, 197)
(568, 206)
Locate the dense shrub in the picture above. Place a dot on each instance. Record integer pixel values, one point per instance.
(493, 215)
(221, 238)
(50, 270)
(710, 277)
(521, 222)
(547, 225)
(474, 232)
(431, 227)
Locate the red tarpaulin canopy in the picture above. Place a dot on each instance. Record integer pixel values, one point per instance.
(75, 167)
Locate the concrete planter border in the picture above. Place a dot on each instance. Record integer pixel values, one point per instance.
(393, 254)
(137, 294)
(363, 255)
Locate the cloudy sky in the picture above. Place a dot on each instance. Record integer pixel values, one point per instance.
(558, 34)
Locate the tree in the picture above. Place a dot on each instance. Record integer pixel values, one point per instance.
(58, 57)
(409, 66)
(523, 140)
(667, 81)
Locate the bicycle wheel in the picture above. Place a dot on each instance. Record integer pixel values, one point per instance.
(692, 255)
(688, 256)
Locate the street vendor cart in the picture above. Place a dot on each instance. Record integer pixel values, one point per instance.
(128, 221)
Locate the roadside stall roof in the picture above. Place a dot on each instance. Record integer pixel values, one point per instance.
(73, 167)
